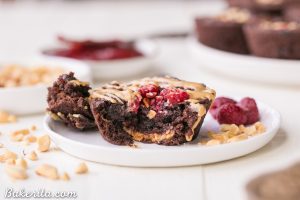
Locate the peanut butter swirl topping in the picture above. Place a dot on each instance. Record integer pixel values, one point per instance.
(116, 92)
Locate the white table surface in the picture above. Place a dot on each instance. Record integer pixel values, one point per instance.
(25, 28)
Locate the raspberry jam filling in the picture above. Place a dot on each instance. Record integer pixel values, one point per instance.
(158, 98)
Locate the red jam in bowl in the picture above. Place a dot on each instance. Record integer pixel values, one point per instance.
(95, 50)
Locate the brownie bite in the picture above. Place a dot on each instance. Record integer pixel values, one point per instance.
(274, 38)
(268, 6)
(292, 12)
(280, 185)
(225, 31)
(68, 102)
(161, 110)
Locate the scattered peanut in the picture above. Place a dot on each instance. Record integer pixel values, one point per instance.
(31, 139)
(232, 133)
(17, 138)
(65, 176)
(238, 138)
(81, 168)
(10, 161)
(6, 117)
(260, 127)
(251, 130)
(213, 142)
(18, 135)
(21, 163)
(8, 155)
(47, 171)
(232, 128)
(16, 172)
(33, 128)
(32, 156)
(44, 143)
(22, 131)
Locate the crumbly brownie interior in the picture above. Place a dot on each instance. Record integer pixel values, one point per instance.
(68, 102)
(151, 120)
(179, 118)
(110, 118)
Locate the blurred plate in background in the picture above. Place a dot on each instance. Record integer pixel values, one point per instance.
(246, 67)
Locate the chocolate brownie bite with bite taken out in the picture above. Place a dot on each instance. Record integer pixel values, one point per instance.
(161, 110)
(68, 102)
(224, 31)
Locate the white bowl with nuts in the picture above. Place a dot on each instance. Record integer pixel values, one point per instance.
(23, 83)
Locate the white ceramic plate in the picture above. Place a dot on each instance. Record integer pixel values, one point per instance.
(246, 67)
(32, 99)
(91, 146)
(122, 68)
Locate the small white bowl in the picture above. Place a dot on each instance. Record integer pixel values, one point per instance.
(107, 70)
(32, 99)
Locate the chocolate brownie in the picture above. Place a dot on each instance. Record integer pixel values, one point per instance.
(292, 12)
(225, 31)
(281, 185)
(68, 102)
(271, 6)
(161, 110)
(273, 38)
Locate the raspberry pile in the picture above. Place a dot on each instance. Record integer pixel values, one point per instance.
(159, 98)
(229, 111)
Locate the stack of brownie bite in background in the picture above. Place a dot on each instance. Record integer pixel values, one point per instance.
(265, 28)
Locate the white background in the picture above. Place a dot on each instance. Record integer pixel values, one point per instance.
(26, 28)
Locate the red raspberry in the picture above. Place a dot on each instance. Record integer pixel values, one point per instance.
(250, 108)
(157, 103)
(231, 114)
(218, 102)
(174, 96)
(149, 91)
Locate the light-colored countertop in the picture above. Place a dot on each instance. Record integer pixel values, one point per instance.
(26, 28)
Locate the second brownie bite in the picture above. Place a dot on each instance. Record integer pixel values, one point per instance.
(265, 6)
(224, 31)
(274, 38)
(159, 110)
(68, 102)
(292, 12)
